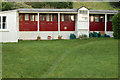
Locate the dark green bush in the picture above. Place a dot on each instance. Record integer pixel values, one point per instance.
(116, 26)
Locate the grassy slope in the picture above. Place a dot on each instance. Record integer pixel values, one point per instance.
(94, 5)
(92, 58)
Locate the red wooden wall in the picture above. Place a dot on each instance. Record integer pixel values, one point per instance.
(48, 25)
(67, 25)
(27, 25)
(51, 25)
(97, 26)
(109, 23)
(100, 26)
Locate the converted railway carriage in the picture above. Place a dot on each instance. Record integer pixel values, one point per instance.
(27, 24)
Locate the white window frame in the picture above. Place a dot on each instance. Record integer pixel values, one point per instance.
(26, 17)
(32, 16)
(2, 22)
(63, 17)
(47, 17)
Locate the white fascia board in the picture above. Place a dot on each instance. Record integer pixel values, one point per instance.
(103, 13)
(51, 12)
(8, 11)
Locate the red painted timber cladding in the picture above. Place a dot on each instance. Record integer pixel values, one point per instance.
(69, 24)
(96, 26)
(109, 26)
(49, 25)
(27, 25)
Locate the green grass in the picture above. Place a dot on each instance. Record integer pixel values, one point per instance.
(94, 5)
(91, 58)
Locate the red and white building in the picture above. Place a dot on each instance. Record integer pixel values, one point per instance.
(27, 24)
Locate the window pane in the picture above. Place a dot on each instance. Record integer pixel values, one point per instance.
(72, 17)
(32, 17)
(21, 18)
(4, 22)
(52, 17)
(63, 17)
(26, 17)
(92, 18)
(67, 17)
(96, 18)
(56, 17)
(36, 17)
(47, 17)
(102, 18)
(0, 22)
(110, 18)
(42, 17)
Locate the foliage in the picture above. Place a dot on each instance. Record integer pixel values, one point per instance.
(95, 5)
(7, 6)
(38, 37)
(83, 36)
(14, 5)
(59, 35)
(116, 26)
(115, 4)
(51, 4)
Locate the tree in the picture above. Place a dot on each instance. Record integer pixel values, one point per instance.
(115, 4)
(116, 26)
(7, 6)
(13, 5)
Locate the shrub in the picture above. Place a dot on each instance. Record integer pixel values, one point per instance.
(85, 35)
(116, 26)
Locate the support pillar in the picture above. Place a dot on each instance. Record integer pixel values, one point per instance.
(59, 23)
(38, 24)
(105, 23)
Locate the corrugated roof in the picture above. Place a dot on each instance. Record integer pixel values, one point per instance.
(63, 10)
(103, 11)
(46, 10)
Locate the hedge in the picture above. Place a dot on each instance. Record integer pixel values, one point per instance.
(116, 26)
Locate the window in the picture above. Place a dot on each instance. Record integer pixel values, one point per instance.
(36, 17)
(56, 17)
(52, 17)
(92, 18)
(96, 18)
(110, 18)
(32, 17)
(102, 18)
(47, 17)
(63, 17)
(4, 22)
(21, 18)
(26, 17)
(0, 22)
(72, 17)
(67, 17)
(42, 17)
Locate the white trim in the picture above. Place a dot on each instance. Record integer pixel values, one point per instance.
(102, 13)
(38, 23)
(58, 23)
(4, 30)
(50, 12)
(88, 23)
(105, 22)
(1, 23)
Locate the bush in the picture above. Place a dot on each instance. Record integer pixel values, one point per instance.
(116, 26)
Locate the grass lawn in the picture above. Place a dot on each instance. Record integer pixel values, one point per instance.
(91, 58)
